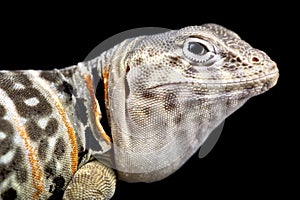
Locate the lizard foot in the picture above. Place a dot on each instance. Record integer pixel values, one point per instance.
(92, 181)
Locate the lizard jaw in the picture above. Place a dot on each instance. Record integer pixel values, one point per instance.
(253, 87)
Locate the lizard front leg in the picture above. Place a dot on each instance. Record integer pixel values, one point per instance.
(92, 181)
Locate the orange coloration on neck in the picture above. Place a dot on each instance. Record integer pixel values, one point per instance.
(105, 83)
(96, 109)
(72, 136)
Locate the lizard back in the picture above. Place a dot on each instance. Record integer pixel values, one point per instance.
(39, 149)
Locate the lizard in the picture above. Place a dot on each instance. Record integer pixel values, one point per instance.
(161, 95)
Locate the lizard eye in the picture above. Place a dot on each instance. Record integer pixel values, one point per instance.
(198, 50)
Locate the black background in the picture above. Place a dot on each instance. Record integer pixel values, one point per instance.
(256, 153)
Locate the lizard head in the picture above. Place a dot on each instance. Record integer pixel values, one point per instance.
(171, 90)
(206, 55)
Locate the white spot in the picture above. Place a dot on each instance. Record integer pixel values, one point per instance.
(18, 140)
(43, 122)
(32, 101)
(22, 120)
(18, 86)
(5, 159)
(52, 141)
(2, 135)
(58, 166)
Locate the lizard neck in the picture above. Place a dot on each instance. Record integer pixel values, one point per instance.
(87, 84)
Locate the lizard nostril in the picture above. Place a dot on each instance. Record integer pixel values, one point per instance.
(255, 59)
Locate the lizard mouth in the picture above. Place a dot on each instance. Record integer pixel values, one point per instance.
(258, 85)
(269, 77)
(270, 80)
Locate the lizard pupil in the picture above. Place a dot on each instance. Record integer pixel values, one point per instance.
(197, 48)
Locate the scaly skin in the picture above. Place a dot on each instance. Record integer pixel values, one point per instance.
(163, 96)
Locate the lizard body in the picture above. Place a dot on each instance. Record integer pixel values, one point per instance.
(163, 94)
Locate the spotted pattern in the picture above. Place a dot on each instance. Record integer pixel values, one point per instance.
(15, 166)
(34, 113)
(163, 102)
(6, 129)
(170, 101)
(59, 149)
(19, 96)
(37, 133)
